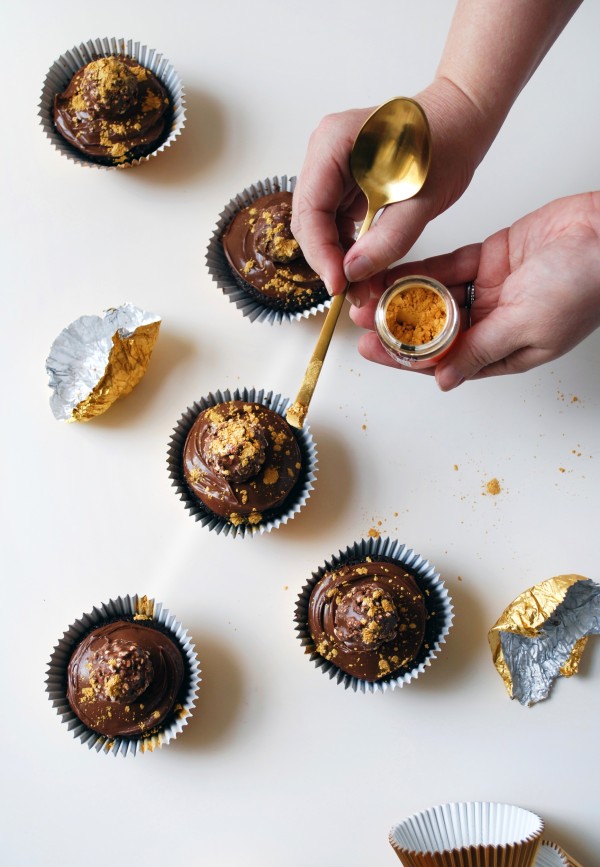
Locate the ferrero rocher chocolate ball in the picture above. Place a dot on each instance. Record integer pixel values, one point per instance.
(120, 671)
(236, 448)
(366, 617)
(273, 235)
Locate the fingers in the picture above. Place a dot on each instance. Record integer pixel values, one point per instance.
(491, 341)
(323, 185)
(452, 269)
(388, 239)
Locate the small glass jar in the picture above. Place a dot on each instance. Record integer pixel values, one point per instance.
(418, 355)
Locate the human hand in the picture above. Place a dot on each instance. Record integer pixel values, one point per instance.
(537, 292)
(327, 202)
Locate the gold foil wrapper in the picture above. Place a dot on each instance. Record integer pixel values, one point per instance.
(98, 359)
(542, 634)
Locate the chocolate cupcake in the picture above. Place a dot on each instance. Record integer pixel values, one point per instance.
(374, 616)
(239, 467)
(257, 262)
(125, 676)
(111, 103)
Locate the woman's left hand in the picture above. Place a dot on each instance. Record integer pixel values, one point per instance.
(537, 289)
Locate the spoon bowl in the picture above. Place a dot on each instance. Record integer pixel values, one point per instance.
(389, 161)
(391, 155)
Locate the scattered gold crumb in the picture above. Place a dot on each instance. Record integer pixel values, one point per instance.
(493, 487)
(286, 587)
(455, 467)
(373, 533)
(561, 470)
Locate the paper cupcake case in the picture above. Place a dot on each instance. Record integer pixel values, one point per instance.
(469, 834)
(282, 514)
(436, 597)
(551, 855)
(222, 273)
(64, 68)
(56, 680)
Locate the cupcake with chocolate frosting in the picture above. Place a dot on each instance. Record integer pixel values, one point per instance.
(111, 103)
(256, 260)
(238, 465)
(374, 616)
(125, 677)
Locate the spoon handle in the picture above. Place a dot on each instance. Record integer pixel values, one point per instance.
(296, 413)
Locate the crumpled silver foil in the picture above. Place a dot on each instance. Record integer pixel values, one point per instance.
(98, 359)
(542, 635)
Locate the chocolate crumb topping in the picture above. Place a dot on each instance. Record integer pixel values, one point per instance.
(264, 254)
(368, 618)
(124, 678)
(241, 460)
(113, 110)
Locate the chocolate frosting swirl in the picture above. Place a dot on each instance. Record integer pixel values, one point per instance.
(113, 110)
(368, 619)
(133, 703)
(241, 460)
(261, 249)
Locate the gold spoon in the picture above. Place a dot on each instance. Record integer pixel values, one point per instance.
(389, 161)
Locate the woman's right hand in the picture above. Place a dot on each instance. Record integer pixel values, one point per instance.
(327, 201)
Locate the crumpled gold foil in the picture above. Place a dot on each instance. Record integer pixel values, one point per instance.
(542, 634)
(98, 359)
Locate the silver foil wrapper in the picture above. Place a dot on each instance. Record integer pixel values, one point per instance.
(98, 359)
(542, 634)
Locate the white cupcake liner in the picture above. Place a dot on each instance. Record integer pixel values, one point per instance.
(295, 500)
(62, 71)
(221, 271)
(437, 599)
(468, 834)
(551, 855)
(56, 679)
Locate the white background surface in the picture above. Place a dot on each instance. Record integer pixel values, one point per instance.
(279, 765)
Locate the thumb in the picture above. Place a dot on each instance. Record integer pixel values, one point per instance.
(490, 340)
(389, 239)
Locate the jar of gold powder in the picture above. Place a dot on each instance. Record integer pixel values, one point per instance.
(417, 321)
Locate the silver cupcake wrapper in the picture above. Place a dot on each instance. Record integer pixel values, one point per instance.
(220, 269)
(297, 497)
(56, 679)
(62, 71)
(438, 599)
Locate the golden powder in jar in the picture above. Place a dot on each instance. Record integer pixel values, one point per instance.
(416, 315)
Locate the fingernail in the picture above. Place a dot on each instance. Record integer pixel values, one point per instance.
(358, 269)
(353, 299)
(328, 285)
(449, 378)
